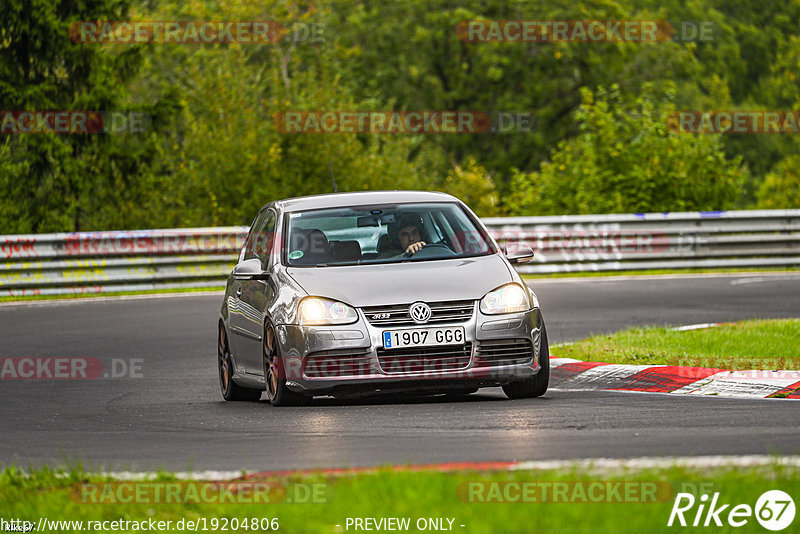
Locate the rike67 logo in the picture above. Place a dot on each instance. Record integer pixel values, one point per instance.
(774, 510)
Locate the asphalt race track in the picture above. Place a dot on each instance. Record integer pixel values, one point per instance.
(174, 416)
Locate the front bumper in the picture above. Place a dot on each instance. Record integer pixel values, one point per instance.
(350, 359)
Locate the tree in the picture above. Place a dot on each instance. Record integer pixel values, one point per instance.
(226, 156)
(58, 182)
(409, 56)
(625, 160)
(472, 184)
(781, 187)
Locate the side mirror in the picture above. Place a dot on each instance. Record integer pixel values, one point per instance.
(519, 254)
(250, 270)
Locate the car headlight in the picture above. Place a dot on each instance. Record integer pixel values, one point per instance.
(509, 298)
(321, 311)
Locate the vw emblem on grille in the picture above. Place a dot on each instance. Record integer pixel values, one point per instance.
(420, 312)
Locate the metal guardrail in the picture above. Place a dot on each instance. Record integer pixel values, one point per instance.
(101, 262)
(691, 240)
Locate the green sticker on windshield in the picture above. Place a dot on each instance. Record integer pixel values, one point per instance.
(295, 254)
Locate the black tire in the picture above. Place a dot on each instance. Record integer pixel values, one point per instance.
(535, 386)
(230, 390)
(274, 375)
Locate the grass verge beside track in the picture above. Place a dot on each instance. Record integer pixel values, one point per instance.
(564, 500)
(772, 344)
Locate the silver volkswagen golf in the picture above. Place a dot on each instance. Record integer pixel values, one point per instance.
(377, 292)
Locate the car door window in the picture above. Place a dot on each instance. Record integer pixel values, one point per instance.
(265, 239)
(248, 251)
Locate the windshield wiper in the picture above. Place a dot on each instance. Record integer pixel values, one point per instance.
(338, 263)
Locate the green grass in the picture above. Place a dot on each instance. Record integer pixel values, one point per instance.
(26, 298)
(422, 495)
(646, 272)
(748, 345)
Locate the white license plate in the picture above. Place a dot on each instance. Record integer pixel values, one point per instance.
(422, 337)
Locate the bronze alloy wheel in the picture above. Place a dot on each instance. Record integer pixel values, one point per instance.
(223, 361)
(230, 390)
(274, 375)
(270, 371)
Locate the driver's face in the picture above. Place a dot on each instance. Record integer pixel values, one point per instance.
(408, 235)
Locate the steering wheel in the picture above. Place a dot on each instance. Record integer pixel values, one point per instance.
(431, 248)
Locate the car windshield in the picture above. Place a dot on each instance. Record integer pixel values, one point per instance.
(383, 234)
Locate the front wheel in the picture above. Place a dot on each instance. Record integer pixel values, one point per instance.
(536, 385)
(230, 390)
(274, 373)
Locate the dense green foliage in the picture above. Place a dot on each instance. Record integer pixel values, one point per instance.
(66, 182)
(625, 160)
(213, 155)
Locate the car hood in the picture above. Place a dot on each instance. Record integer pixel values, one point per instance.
(398, 283)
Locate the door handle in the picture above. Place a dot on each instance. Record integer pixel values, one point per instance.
(238, 292)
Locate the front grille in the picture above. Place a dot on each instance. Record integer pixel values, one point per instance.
(337, 363)
(425, 359)
(454, 311)
(496, 352)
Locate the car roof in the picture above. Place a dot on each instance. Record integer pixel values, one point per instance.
(338, 200)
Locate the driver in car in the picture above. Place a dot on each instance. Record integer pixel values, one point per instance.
(407, 231)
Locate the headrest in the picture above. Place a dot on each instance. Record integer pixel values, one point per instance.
(384, 243)
(347, 251)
